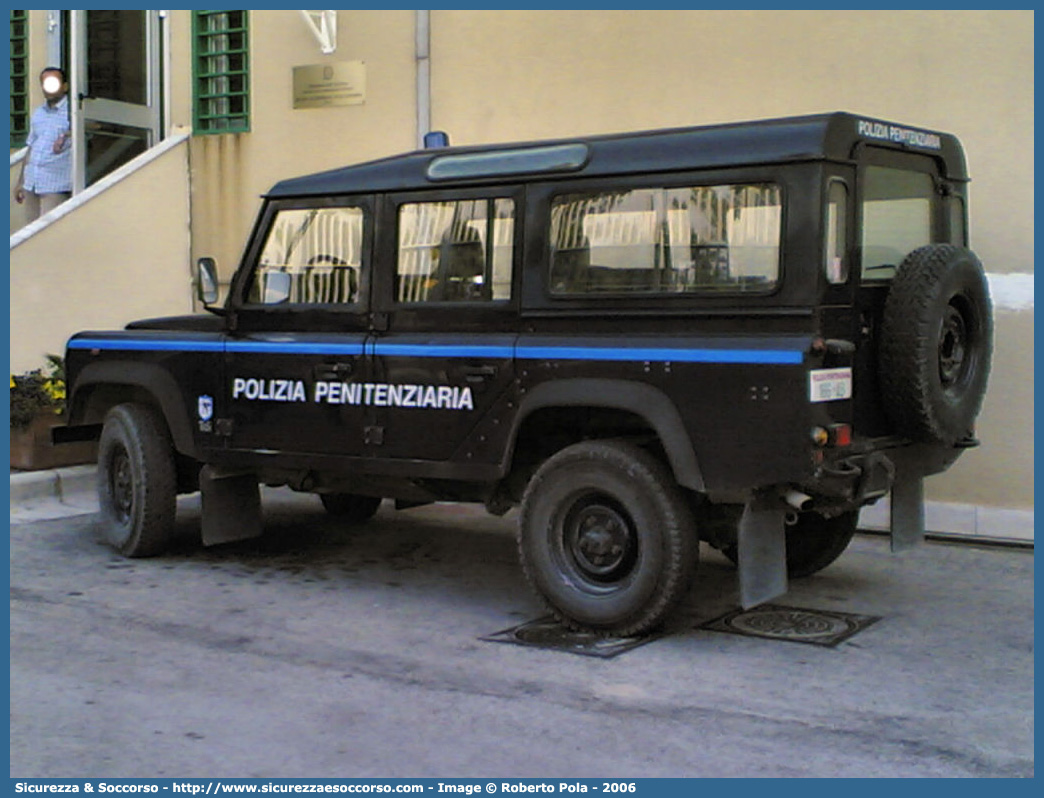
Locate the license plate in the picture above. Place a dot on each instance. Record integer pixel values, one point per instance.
(830, 385)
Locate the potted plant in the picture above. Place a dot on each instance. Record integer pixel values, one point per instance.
(37, 404)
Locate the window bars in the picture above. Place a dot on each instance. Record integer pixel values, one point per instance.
(221, 71)
(19, 78)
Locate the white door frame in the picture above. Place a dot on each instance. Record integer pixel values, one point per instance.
(84, 109)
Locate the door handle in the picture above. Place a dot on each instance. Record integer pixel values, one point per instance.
(478, 374)
(332, 371)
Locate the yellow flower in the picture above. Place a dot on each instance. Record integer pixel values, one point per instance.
(55, 389)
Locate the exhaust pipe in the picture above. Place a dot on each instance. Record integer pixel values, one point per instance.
(798, 500)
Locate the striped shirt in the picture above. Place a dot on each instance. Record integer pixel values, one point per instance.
(48, 172)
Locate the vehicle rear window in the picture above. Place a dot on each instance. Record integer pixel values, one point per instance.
(667, 240)
(897, 218)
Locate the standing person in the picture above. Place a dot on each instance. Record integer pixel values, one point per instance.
(45, 181)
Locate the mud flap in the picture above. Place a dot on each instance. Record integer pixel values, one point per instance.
(907, 511)
(231, 506)
(762, 552)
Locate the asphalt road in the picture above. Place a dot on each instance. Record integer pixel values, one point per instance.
(320, 651)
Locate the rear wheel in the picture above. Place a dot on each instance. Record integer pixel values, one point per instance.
(813, 542)
(606, 538)
(350, 507)
(136, 481)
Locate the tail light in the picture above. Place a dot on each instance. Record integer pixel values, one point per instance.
(837, 435)
(840, 435)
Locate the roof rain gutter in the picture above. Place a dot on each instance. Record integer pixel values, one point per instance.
(423, 58)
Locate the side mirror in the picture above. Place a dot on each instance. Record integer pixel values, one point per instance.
(207, 284)
(277, 288)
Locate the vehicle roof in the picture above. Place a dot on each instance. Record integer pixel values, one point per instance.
(834, 136)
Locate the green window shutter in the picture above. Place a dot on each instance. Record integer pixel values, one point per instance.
(220, 72)
(19, 78)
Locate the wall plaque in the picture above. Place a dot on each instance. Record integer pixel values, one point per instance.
(328, 85)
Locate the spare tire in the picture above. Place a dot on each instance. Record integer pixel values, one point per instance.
(935, 344)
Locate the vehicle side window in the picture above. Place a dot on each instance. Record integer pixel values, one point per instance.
(897, 218)
(667, 240)
(835, 263)
(311, 256)
(958, 235)
(455, 251)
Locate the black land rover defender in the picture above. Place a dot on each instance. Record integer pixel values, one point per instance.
(739, 334)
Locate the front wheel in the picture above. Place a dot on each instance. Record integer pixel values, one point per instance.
(137, 481)
(606, 538)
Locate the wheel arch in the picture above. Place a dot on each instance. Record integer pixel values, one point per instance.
(101, 386)
(646, 402)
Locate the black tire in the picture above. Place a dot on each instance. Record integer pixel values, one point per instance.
(349, 507)
(936, 344)
(606, 538)
(813, 542)
(137, 481)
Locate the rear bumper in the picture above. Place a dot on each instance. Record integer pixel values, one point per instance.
(866, 474)
(851, 482)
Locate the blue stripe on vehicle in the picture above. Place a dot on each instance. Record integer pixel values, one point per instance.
(623, 354)
(442, 350)
(770, 356)
(256, 347)
(773, 356)
(147, 345)
(295, 348)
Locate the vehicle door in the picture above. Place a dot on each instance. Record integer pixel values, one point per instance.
(295, 361)
(904, 202)
(443, 351)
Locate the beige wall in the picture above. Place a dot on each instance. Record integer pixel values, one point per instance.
(231, 172)
(515, 75)
(1000, 472)
(123, 255)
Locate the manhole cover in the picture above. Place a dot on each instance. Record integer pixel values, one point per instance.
(818, 627)
(548, 633)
